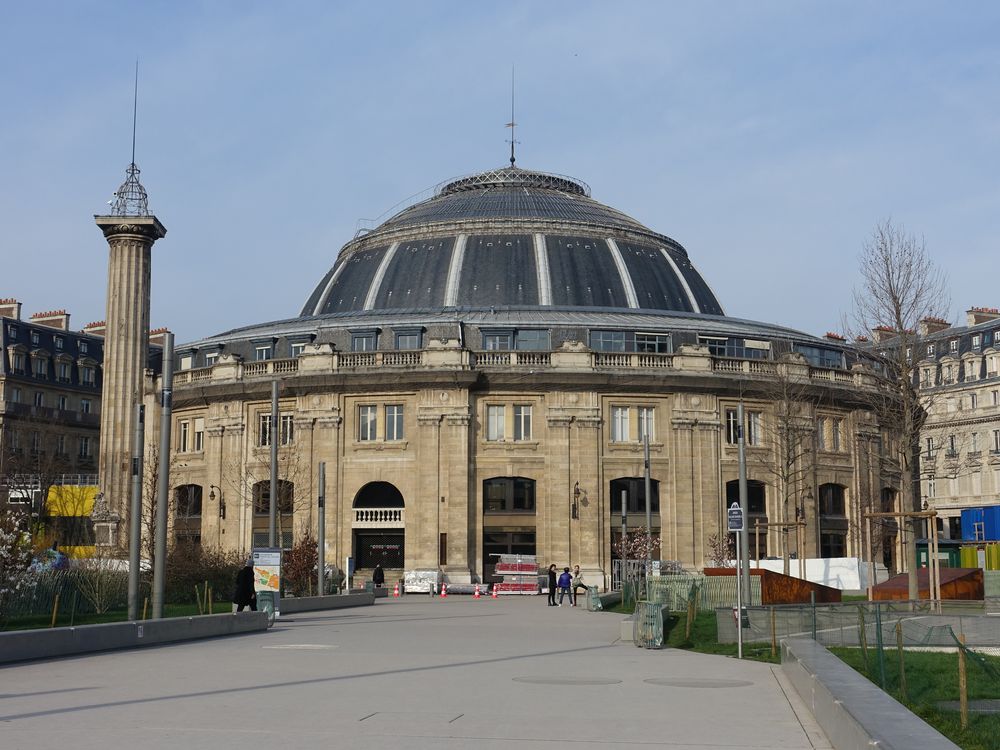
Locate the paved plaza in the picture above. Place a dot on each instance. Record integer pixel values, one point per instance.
(408, 673)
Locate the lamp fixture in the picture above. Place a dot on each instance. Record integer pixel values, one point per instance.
(222, 501)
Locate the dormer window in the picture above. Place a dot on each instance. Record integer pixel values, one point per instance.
(977, 341)
(930, 350)
(953, 345)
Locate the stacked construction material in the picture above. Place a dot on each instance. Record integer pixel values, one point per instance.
(520, 574)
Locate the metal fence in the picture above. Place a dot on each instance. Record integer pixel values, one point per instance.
(712, 591)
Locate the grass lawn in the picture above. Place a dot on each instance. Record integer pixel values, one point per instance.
(703, 637)
(115, 615)
(933, 677)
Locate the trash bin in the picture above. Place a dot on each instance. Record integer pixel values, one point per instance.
(369, 587)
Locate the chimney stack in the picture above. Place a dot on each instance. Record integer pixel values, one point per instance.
(883, 333)
(10, 308)
(95, 329)
(52, 319)
(976, 315)
(931, 325)
(156, 336)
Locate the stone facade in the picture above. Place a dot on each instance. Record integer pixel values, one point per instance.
(584, 434)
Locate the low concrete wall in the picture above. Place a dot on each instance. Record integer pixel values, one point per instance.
(336, 601)
(853, 712)
(22, 645)
(610, 599)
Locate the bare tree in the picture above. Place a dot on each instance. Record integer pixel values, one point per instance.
(900, 286)
(789, 433)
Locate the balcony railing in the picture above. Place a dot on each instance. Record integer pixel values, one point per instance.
(459, 359)
(378, 518)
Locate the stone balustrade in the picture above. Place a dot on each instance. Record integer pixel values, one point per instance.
(379, 518)
(687, 360)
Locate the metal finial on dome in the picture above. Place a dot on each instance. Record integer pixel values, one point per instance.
(130, 198)
(512, 125)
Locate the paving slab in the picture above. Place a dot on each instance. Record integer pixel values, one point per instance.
(408, 673)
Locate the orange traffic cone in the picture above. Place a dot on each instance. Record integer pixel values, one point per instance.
(494, 591)
(444, 590)
(476, 595)
(395, 590)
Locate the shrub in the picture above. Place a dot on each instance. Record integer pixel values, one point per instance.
(190, 565)
(299, 567)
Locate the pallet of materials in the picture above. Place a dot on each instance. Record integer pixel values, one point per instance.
(519, 573)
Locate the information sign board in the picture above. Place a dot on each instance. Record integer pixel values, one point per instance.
(735, 517)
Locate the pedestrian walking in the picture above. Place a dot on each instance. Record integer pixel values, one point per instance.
(552, 585)
(565, 581)
(378, 576)
(577, 582)
(244, 594)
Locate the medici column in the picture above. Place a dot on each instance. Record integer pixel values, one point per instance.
(130, 230)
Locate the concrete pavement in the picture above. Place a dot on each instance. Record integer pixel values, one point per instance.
(408, 673)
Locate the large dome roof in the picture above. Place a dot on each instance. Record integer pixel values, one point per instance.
(512, 238)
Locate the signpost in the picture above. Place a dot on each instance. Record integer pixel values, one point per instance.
(736, 524)
(267, 577)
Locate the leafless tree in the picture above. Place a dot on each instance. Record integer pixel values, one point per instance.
(900, 286)
(788, 433)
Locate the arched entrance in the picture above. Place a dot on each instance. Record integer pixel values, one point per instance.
(378, 527)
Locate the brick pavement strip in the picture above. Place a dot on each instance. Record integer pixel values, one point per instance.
(410, 673)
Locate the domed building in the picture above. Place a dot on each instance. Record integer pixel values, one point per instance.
(479, 374)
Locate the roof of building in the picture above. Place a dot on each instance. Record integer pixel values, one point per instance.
(512, 237)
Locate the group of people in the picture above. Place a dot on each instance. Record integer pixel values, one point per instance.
(566, 582)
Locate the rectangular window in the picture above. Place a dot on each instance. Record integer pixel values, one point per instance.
(63, 403)
(836, 425)
(363, 342)
(833, 544)
(296, 349)
(82, 346)
(996, 441)
(199, 434)
(931, 487)
(732, 427)
(394, 422)
(619, 424)
(647, 423)
(17, 363)
(34, 338)
(64, 372)
(953, 345)
(952, 446)
(15, 395)
(532, 341)
(929, 445)
(12, 331)
(974, 442)
(183, 428)
(367, 422)
(39, 398)
(83, 445)
(87, 375)
(973, 400)
(607, 341)
(819, 356)
(996, 397)
(652, 343)
(408, 340)
(821, 433)
(85, 406)
(499, 342)
(211, 358)
(930, 350)
(262, 353)
(495, 422)
(522, 422)
(36, 442)
(41, 368)
(186, 361)
(287, 429)
(58, 342)
(977, 341)
(754, 436)
(61, 445)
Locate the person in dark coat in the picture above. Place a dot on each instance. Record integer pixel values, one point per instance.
(244, 595)
(552, 585)
(378, 576)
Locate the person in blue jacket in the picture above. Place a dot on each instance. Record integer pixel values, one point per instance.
(565, 581)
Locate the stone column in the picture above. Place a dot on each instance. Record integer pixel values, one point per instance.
(126, 347)
(460, 507)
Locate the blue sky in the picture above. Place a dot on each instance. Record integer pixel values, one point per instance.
(767, 137)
